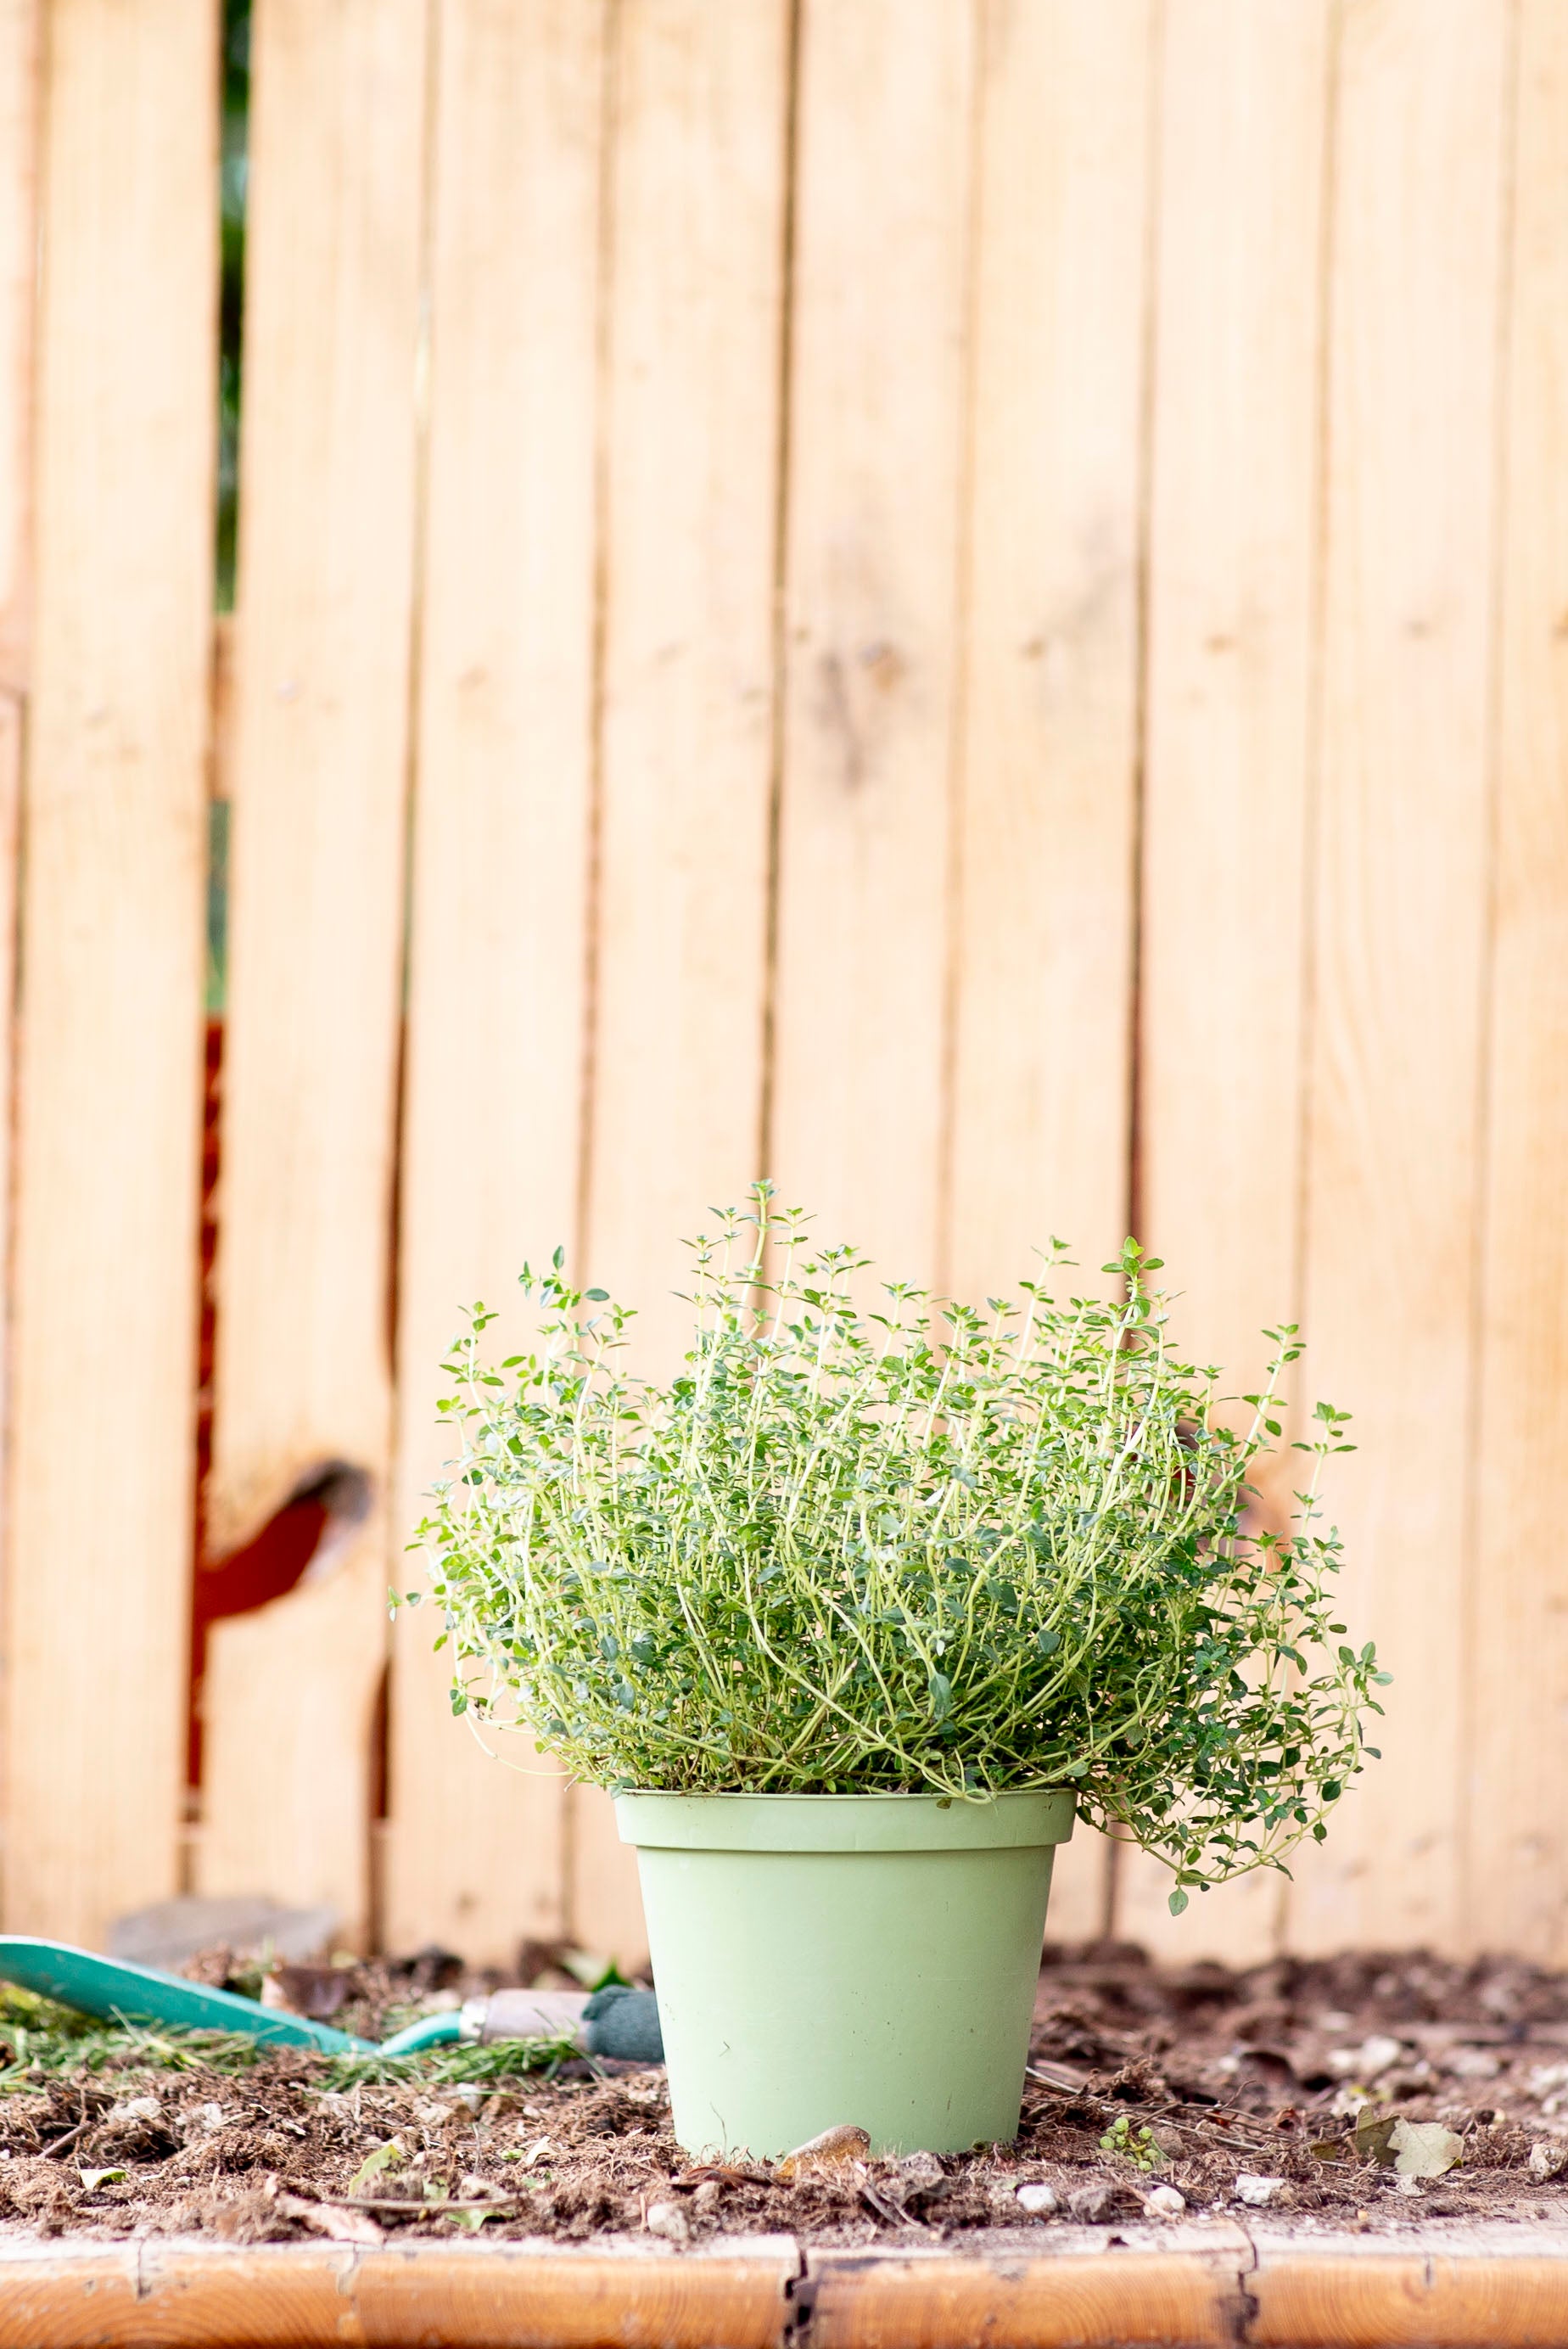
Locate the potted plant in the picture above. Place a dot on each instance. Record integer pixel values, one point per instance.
(853, 1615)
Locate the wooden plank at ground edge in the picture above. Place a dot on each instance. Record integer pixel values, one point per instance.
(500, 864)
(1050, 748)
(872, 613)
(1391, 1160)
(695, 345)
(1232, 575)
(106, 1269)
(326, 537)
(1515, 1860)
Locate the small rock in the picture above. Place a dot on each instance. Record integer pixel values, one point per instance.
(138, 2127)
(1376, 2055)
(668, 2219)
(920, 2171)
(830, 2154)
(1090, 2205)
(1546, 2159)
(1256, 2192)
(1165, 2202)
(1039, 2202)
(708, 2196)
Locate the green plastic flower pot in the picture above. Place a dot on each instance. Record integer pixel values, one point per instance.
(821, 1959)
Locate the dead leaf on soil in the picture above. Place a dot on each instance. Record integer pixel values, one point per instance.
(331, 2218)
(385, 2156)
(1412, 2148)
(833, 2154)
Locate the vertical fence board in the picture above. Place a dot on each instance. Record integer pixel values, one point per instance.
(501, 860)
(877, 437)
(19, 100)
(20, 95)
(326, 536)
(692, 424)
(1516, 1862)
(116, 802)
(1399, 929)
(1232, 572)
(1046, 822)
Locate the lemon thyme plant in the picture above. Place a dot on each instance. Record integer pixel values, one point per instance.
(925, 1549)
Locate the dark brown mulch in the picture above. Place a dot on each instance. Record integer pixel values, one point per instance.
(1249, 2075)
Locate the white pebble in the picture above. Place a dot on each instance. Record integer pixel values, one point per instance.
(1165, 2202)
(138, 2108)
(1256, 2191)
(1547, 2160)
(668, 2219)
(1039, 2202)
(1367, 2062)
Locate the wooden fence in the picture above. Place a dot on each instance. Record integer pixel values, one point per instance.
(964, 601)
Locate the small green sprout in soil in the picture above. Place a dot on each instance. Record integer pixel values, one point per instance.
(1139, 2148)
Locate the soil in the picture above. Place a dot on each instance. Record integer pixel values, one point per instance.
(1250, 2076)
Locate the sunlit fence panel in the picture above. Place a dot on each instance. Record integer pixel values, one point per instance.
(959, 601)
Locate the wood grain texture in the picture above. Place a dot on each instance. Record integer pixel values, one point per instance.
(1402, 837)
(1442, 2296)
(1044, 841)
(1515, 1859)
(1233, 579)
(20, 97)
(871, 602)
(12, 750)
(692, 425)
(498, 2297)
(1190, 2300)
(1180, 2295)
(325, 583)
(106, 1267)
(498, 955)
(1044, 848)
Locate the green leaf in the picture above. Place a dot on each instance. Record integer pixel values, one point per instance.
(390, 2156)
(1177, 1901)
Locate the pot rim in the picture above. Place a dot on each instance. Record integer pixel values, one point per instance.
(1026, 1818)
